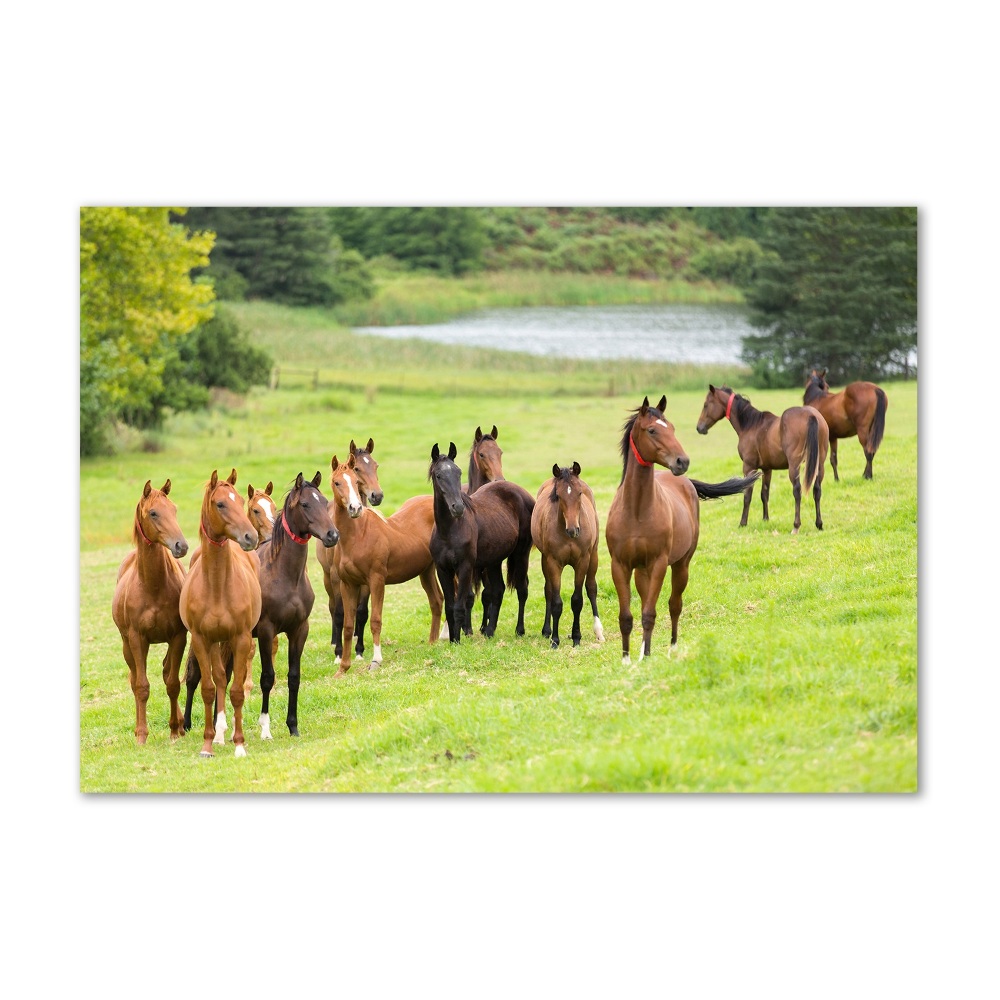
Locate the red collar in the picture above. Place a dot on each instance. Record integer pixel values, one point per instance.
(729, 405)
(291, 534)
(638, 457)
(138, 524)
(204, 530)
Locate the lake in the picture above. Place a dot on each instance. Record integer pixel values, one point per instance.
(701, 334)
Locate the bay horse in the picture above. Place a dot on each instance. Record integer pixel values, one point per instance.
(376, 551)
(565, 530)
(261, 510)
(146, 602)
(220, 601)
(857, 409)
(472, 536)
(799, 437)
(484, 460)
(654, 520)
(371, 495)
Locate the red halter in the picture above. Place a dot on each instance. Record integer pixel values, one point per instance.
(204, 530)
(291, 534)
(638, 457)
(729, 405)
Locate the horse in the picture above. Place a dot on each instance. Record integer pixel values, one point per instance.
(472, 536)
(565, 529)
(371, 494)
(375, 551)
(220, 601)
(653, 520)
(799, 436)
(857, 409)
(261, 510)
(484, 460)
(146, 602)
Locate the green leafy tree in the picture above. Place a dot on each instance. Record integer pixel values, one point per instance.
(137, 302)
(837, 287)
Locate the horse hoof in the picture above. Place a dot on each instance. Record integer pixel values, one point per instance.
(374, 665)
(555, 645)
(293, 730)
(206, 753)
(241, 751)
(626, 660)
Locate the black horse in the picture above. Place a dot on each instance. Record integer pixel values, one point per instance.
(472, 537)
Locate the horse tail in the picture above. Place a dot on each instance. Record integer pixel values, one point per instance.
(715, 491)
(812, 453)
(517, 561)
(877, 428)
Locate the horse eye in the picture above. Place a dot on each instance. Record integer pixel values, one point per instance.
(153, 513)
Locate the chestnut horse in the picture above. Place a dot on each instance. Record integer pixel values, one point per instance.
(565, 529)
(261, 510)
(653, 521)
(375, 551)
(371, 495)
(472, 537)
(858, 409)
(220, 601)
(146, 603)
(798, 437)
(484, 460)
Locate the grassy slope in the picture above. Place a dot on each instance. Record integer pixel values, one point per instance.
(796, 668)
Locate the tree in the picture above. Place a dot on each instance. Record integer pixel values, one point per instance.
(837, 288)
(137, 301)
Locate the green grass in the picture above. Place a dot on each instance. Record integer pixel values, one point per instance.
(796, 668)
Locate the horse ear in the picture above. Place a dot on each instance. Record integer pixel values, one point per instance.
(354, 447)
(298, 481)
(371, 445)
(147, 489)
(232, 478)
(662, 407)
(711, 388)
(452, 451)
(435, 452)
(645, 404)
(249, 491)
(317, 479)
(576, 469)
(166, 487)
(496, 433)
(555, 470)
(334, 464)
(214, 481)
(479, 434)
(269, 487)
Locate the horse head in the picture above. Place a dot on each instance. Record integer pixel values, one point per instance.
(223, 516)
(156, 520)
(651, 438)
(261, 510)
(717, 405)
(486, 455)
(446, 478)
(567, 491)
(307, 512)
(344, 479)
(367, 473)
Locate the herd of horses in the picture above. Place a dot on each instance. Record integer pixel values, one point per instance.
(247, 582)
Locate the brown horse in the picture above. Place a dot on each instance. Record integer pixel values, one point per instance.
(220, 601)
(653, 521)
(565, 529)
(858, 409)
(472, 537)
(146, 603)
(484, 460)
(371, 495)
(375, 551)
(261, 510)
(799, 437)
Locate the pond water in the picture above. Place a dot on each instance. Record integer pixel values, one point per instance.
(701, 334)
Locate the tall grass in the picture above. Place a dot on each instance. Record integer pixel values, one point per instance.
(796, 668)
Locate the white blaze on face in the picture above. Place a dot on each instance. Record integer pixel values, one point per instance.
(267, 507)
(367, 460)
(353, 500)
(232, 496)
(662, 423)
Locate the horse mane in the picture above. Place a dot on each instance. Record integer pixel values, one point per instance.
(814, 390)
(623, 447)
(278, 534)
(749, 416)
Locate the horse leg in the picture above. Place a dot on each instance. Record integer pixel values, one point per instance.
(765, 490)
(222, 672)
(817, 493)
(747, 497)
(428, 580)
(546, 625)
(793, 475)
(361, 619)
(495, 575)
(652, 580)
(833, 457)
(267, 642)
(552, 572)
(463, 605)
(678, 581)
(521, 589)
(242, 655)
(135, 649)
(296, 643)
(337, 612)
(446, 579)
(576, 602)
(349, 594)
(202, 654)
(592, 595)
(377, 591)
(172, 680)
(622, 578)
(192, 678)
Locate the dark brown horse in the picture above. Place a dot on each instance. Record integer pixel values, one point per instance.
(146, 603)
(371, 495)
(376, 551)
(654, 520)
(565, 529)
(798, 438)
(472, 537)
(484, 460)
(220, 601)
(857, 409)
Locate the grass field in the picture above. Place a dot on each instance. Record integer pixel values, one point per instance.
(796, 669)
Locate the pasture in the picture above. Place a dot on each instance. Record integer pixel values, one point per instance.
(795, 671)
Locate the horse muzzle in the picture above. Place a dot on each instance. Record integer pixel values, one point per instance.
(331, 538)
(179, 549)
(680, 465)
(457, 509)
(701, 428)
(249, 542)
(375, 498)
(573, 532)
(355, 510)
